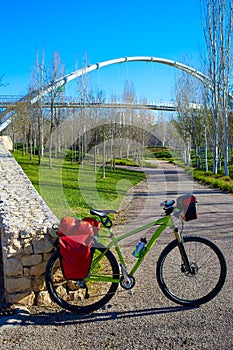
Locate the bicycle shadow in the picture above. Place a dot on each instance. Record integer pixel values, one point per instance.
(62, 318)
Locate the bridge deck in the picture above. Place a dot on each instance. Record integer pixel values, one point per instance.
(12, 102)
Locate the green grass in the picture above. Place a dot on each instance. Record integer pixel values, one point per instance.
(162, 153)
(224, 183)
(125, 161)
(71, 189)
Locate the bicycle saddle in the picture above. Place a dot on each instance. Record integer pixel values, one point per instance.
(102, 213)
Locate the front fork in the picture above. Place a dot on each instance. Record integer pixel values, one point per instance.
(186, 263)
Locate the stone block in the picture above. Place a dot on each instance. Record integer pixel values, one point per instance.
(28, 250)
(46, 256)
(26, 271)
(13, 267)
(31, 260)
(20, 284)
(38, 269)
(38, 283)
(42, 246)
(26, 298)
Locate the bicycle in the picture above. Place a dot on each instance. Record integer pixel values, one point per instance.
(190, 271)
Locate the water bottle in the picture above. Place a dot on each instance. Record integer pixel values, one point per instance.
(139, 247)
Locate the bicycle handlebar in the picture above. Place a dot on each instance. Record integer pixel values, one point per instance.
(106, 221)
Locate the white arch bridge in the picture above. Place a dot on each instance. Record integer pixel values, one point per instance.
(37, 95)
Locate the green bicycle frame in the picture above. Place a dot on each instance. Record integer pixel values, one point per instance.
(163, 223)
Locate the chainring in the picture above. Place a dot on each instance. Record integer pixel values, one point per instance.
(127, 284)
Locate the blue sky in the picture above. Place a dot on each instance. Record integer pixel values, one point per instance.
(101, 31)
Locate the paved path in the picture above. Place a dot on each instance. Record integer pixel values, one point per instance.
(146, 320)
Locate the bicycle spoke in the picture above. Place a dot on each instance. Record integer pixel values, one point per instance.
(208, 271)
(88, 294)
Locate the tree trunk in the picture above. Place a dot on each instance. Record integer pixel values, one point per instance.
(206, 150)
(104, 159)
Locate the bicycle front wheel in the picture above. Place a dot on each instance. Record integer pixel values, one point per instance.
(89, 294)
(208, 271)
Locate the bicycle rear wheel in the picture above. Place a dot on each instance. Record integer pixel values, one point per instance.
(87, 295)
(208, 277)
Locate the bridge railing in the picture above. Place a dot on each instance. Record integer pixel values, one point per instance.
(7, 101)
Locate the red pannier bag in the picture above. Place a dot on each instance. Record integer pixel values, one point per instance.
(188, 204)
(75, 241)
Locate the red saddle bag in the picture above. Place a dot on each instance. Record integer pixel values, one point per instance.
(75, 258)
(75, 241)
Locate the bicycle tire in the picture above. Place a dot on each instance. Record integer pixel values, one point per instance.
(191, 289)
(70, 296)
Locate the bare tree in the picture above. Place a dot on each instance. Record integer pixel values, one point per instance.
(82, 87)
(57, 70)
(37, 82)
(217, 18)
(189, 121)
(129, 99)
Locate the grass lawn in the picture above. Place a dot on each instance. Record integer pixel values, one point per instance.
(73, 189)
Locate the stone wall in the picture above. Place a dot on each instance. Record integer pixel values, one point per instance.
(25, 222)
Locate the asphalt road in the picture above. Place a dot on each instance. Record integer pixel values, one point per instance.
(146, 319)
